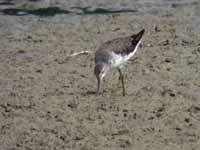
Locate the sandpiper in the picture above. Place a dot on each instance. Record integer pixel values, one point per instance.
(114, 54)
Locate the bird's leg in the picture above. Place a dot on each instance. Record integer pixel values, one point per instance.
(121, 77)
(119, 82)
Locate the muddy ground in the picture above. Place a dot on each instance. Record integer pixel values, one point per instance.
(48, 101)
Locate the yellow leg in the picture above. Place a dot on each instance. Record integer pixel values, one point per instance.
(119, 82)
(121, 77)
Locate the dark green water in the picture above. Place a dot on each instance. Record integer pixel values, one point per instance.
(154, 7)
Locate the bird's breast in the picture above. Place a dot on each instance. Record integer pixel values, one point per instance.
(117, 60)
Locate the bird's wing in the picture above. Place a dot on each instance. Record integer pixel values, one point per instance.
(121, 46)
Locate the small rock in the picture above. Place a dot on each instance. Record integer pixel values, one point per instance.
(149, 45)
(165, 43)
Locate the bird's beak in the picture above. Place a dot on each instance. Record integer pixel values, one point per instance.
(98, 84)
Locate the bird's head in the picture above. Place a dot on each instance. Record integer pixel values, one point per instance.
(100, 71)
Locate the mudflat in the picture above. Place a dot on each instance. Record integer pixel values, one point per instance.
(48, 100)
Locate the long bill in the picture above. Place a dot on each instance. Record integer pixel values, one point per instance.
(98, 85)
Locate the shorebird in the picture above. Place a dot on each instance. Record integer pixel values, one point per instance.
(114, 54)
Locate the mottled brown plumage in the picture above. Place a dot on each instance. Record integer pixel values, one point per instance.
(114, 53)
(121, 45)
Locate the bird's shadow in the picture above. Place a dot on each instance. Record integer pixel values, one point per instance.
(91, 93)
(88, 93)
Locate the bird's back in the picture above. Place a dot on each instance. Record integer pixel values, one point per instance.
(121, 46)
(119, 49)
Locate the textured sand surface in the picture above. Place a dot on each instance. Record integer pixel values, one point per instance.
(47, 101)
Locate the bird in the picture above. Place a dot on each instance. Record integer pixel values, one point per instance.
(113, 54)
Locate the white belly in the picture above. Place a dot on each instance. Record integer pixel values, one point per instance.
(118, 60)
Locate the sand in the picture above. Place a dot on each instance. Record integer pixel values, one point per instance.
(48, 101)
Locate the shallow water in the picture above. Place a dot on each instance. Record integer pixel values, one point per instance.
(70, 12)
(152, 7)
